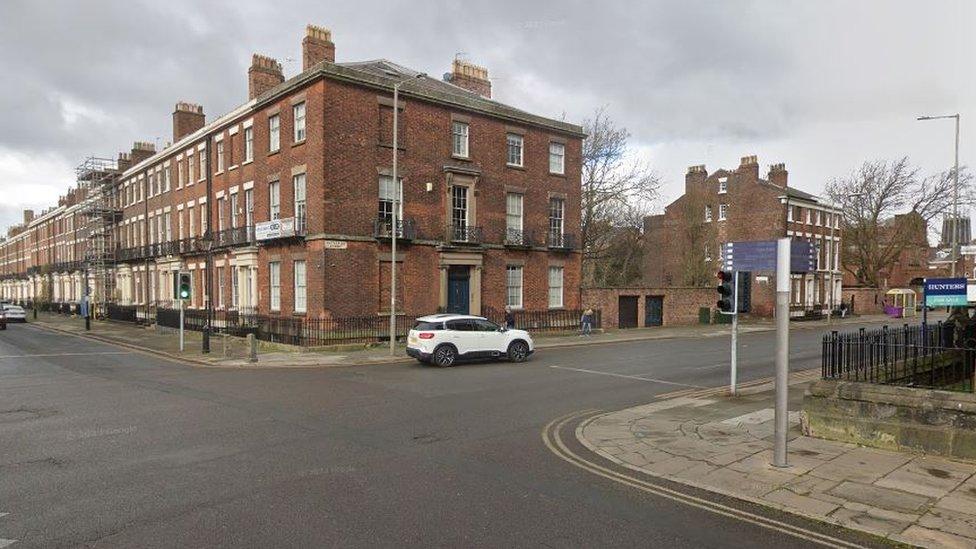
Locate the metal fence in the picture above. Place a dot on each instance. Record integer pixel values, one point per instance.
(549, 320)
(926, 355)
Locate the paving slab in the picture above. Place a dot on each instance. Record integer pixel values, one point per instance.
(806, 505)
(928, 476)
(885, 498)
(925, 537)
(961, 524)
(864, 465)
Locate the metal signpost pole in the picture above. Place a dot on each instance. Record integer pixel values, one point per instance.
(735, 335)
(782, 350)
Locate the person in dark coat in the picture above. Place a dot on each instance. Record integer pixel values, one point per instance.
(509, 318)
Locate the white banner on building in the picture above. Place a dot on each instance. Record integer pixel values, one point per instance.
(279, 228)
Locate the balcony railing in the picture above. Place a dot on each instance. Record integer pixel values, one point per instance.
(236, 236)
(561, 241)
(464, 234)
(518, 238)
(406, 229)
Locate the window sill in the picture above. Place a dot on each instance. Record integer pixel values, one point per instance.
(297, 143)
(515, 166)
(558, 174)
(234, 167)
(459, 157)
(246, 162)
(274, 152)
(300, 313)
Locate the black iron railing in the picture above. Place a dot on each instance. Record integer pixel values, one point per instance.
(518, 238)
(406, 228)
(546, 320)
(925, 355)
(464, 234)
(561, 241)
(236, 236)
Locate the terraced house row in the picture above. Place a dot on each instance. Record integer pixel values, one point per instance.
(292, 196)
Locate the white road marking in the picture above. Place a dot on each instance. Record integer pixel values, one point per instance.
(48, 355)
(6, 542)
(638, 378)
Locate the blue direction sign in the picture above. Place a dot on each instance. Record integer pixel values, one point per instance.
(945, 292)
(760, 255)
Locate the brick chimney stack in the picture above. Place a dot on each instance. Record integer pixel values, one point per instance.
(28, 216)
(749, 165)
(264, 74)
(470, 77)
(141, 150)
(187, 118)
(777, 175)
(124, 162)
(695, 178)
(317, 46)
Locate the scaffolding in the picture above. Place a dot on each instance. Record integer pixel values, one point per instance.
(100, 177)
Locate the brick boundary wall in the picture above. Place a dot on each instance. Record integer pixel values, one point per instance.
(680, 304)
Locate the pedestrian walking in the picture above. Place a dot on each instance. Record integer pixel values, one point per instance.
(509, 318)
(586, 323)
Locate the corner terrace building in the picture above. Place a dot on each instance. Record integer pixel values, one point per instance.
(293, 194)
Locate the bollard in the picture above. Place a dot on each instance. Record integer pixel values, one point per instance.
(35, 312)
(252, 348)
(224, 345)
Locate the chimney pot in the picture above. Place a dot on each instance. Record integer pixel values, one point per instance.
(317, 46)
(471, 77)
(264, 74)
(187, 118)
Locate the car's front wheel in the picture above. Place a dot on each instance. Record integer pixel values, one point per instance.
(518, 351)
(444, 356)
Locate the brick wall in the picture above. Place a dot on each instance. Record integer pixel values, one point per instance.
(681, 305)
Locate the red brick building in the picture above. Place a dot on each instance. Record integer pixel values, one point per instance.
(684, 243)
(295, 187)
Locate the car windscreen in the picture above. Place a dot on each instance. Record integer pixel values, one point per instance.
(427, 326)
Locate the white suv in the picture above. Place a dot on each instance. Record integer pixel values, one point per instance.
(444, 338)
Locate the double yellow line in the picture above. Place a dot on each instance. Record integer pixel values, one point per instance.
(796, 377)
(553, 440)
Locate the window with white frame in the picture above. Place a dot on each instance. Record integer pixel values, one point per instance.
(168, 218)
(514, 142)
(298, 116)
(220, 287)
(274, 200)
(220, 156)
(249, 207)
(189, 215)
(557, 158)
(819, 218)
(708, 214)
(233, 210)
(203, 219)
(808, 218)
(298, 182)
(513, 286)
(274, 279)
(387, 196)
(189, 170)
(221, 214)
(723, 185)
(234, 293)
(166, 180)
(555, 287)
(459, 135)
(248, 144)
(300, 287)
(180, 175)
(557, 213)
(513, 217)
(274, 133)
(179, 224)
(723, 212)
(203, 164)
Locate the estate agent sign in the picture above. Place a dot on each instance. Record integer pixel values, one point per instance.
(945, 292)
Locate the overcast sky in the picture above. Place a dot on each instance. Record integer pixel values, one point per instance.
(820, 85)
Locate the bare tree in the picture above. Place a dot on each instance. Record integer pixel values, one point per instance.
(886, 206)
(700, 236)
(616, 189)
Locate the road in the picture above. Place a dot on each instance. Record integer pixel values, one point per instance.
(105, 447)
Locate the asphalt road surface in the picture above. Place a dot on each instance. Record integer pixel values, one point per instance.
(104, 447)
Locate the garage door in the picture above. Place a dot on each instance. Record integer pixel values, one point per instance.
(627, 311)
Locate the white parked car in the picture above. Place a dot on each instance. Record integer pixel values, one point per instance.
(443, 339)
(14, 313)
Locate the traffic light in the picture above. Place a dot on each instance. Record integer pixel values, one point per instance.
(725, 292)
(184, 288)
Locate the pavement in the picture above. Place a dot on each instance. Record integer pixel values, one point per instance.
(724, 445)
(232, 351)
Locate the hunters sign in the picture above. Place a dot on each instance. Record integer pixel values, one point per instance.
(945, 292)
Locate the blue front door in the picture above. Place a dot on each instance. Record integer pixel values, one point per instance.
(458, 284)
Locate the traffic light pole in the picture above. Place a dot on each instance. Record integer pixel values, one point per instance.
(181, 325)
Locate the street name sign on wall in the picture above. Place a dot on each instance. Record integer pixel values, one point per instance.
(760, 255)
(945, 292)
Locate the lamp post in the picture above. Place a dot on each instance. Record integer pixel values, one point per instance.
(955, 191)
(396, 203)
